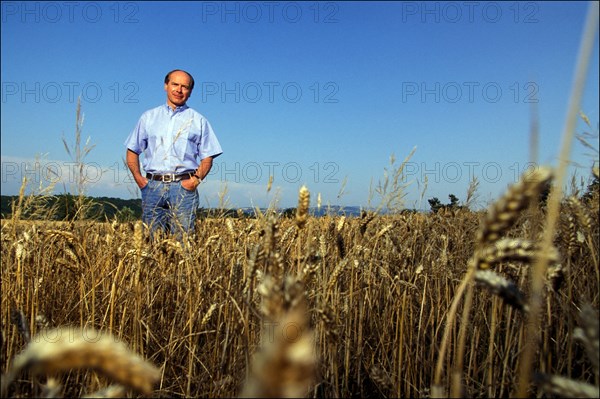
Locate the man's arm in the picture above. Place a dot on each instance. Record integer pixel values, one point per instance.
(205, 167)
(133, 163)
(201, 172)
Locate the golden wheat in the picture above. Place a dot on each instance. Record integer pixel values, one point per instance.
(504, 212)
(302, 209)
(502, 287)
(589, 335)
(565, 387)
(284, 367)
(68, 348)
(375, 295)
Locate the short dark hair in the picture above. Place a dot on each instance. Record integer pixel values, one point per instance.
(168, 77)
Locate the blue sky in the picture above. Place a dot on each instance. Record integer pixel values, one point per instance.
(314, 93)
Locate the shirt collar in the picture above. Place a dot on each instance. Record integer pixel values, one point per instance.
(177, 109)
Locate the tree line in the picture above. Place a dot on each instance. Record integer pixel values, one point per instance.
(70, 207)
(67, 206)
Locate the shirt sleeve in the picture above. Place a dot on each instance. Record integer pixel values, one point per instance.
(138, 138)
(209, 145)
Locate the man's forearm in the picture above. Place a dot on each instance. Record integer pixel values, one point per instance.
(205, 167)
(133, 163)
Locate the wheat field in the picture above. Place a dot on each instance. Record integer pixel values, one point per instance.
(412, 304)
(455, 303)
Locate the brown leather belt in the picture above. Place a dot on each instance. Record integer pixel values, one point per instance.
(171, 177)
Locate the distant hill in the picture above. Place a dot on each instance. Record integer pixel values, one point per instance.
(335, 210)
(104, 207)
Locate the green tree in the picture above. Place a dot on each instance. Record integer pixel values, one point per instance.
(125, 214)
(435, 204)
(453, 201)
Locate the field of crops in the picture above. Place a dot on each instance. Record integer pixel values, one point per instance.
(379, 305)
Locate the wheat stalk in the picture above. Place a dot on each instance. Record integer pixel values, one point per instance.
(499, 218)
(335, 275)
(284, 366)
(589, 335)
(18, 318)
(539, 268)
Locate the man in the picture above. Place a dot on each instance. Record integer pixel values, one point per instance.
(179, 146)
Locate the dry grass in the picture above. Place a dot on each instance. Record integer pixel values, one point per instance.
(304, 306)
(372, 295)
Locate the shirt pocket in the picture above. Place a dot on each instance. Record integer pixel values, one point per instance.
(192, 141)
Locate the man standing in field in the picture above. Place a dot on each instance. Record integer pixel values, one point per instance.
(179, 146)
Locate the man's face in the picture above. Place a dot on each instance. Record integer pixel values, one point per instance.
(178, 89)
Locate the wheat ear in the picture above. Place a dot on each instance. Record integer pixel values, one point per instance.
(112, 391)
(515, 249)
(504, 212)
(302, 209)
(565, 387)
(502, 287)
(70, 348)
(499, 218)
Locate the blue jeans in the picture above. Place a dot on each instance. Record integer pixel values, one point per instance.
(168, 207)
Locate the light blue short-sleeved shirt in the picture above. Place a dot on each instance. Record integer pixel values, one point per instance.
(173, 141)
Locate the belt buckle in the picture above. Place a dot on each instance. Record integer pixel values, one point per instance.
(168, 178)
